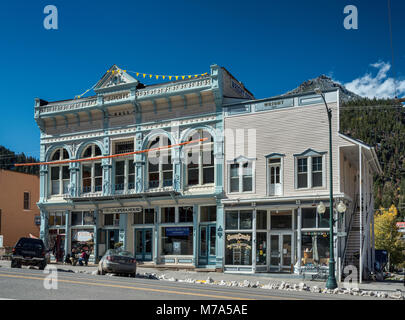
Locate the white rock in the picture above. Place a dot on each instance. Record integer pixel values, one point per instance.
(246, 283)
(315, 289)
(95, 272)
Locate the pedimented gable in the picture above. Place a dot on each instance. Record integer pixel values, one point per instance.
(115, 77)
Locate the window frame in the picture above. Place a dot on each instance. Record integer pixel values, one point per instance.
(274, 156)
(27, 202)
(161, 155)
(200, 166)
(309, 155)
(93, 178)
(62, 183)
(241, 161)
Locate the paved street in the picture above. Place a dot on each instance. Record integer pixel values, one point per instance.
(29, 284)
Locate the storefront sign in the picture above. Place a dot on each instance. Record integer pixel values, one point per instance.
(177, 231)
(83, 236)
(239, 245)
(238, 236)
(123, 210)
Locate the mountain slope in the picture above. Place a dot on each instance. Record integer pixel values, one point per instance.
(324, 83)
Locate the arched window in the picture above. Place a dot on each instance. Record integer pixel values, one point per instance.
(200, 159)
(160, 167)
(92, 172)
(60, 175)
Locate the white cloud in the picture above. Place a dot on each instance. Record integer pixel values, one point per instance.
(379, 86)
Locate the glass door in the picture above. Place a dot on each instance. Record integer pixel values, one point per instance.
(280, 252)
(286, 251)
(207, 248)
(275, 257)
(112, 238)
(143, 244)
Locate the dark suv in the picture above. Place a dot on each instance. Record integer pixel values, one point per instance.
(29, 251)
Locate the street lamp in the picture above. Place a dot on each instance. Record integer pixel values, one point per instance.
(331, 282)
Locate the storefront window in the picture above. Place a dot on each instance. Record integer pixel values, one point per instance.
(185, 214)
(177, 241)
(138, 218)
(231, 222)
(281, 220)
(238, 249)
(57, 219)
(208, 213)
(147, 216)
(80, 218)
(239, 220)
(261, 219)
(261, 247)
(312, 219)
(168, 215)
(83, 239)
(308, 217)
(111, 219)
(77, 218)
(323, 219)
(315, 249)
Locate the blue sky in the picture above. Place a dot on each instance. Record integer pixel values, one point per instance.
(271, 46)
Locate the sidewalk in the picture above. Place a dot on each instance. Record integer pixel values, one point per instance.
(211, 277)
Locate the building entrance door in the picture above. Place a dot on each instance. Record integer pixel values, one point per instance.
(143, 244)
(112, 238)
(207, 250)
(280, 252)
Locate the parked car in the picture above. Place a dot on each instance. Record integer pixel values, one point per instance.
(29, 251)
(117, 261)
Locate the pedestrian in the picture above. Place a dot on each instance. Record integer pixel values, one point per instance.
(82, 257)
(86, 259)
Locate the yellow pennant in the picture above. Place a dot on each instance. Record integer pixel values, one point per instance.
(177, 77)
(150, 76)
(189, 77)
(182, 77)
(157, 77)
(196, 75)
(144, 75)
(170, 77)
(163, 77)
(137, 74)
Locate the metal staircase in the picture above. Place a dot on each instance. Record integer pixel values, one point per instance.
(351, 255)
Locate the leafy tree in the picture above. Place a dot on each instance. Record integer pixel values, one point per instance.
(387, 236)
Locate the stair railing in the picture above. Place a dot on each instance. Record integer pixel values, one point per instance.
(348, 229)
